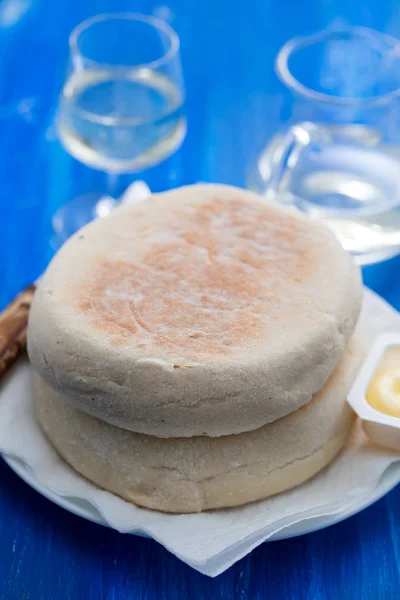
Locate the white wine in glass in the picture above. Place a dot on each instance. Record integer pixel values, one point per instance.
(121, 122)
(122, 106)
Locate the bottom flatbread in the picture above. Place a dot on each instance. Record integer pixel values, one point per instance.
(184, 475)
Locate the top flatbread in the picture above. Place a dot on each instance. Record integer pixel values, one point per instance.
(201, 311)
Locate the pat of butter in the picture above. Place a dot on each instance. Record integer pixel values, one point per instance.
(383, 391)
(375, 395)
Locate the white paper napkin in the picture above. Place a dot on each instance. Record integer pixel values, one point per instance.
(209, 542)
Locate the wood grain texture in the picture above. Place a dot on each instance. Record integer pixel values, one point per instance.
(234, 104)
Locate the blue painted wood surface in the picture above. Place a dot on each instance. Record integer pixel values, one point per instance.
(234, 103)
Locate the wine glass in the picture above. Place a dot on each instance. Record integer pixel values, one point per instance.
(121, 109)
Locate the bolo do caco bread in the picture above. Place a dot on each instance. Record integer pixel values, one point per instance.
(204, 313)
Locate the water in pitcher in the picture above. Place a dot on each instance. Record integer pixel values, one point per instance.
(352, 185)
(337, 156)
(355, 190)
(121, 121)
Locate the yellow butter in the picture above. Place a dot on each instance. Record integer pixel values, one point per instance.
(383, 391)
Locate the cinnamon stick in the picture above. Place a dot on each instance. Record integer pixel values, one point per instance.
(13, 325)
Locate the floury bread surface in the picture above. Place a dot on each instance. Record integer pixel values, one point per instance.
(202, 311)
(194, 474)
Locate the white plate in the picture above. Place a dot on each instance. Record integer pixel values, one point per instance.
(83, 509)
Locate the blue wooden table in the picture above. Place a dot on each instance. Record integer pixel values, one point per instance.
(234, 104)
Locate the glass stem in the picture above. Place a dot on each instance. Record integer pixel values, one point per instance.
(112, 185)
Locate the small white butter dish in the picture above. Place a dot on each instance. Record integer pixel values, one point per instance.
(381, 428)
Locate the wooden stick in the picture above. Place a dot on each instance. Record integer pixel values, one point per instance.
(13, 325)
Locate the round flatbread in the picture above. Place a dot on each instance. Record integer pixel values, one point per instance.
(201, 311)
(186, 475)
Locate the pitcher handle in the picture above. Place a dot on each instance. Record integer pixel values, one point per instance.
(294, 142)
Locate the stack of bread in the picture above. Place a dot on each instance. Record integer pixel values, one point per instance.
(194, 351)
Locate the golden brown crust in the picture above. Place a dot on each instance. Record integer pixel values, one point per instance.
(208, 284)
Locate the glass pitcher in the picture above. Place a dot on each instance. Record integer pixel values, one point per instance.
(338, 157)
